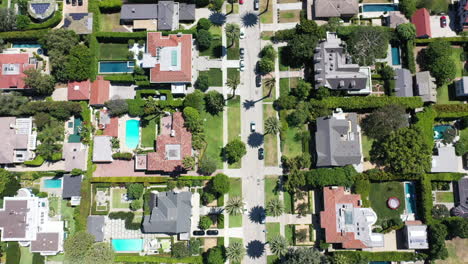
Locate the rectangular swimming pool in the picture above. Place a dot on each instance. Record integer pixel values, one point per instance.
(26, 45)
(410, 197)
(396, 56)
(116, 66)
(379, 8)
(132, 133)
(127, 244)
(53, 183)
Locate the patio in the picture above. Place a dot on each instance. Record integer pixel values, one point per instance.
(102, 199)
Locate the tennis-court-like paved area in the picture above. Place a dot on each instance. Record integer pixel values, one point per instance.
(115, 229)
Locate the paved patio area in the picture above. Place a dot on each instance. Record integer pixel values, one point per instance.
(120, 168)
(115, 229)
(122, 92)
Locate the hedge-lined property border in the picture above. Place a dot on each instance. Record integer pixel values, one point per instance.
(379, 256)
(368, 102)
(451, 110)
(150, 179)
(156, 259)
(452, 40)
(49, 23)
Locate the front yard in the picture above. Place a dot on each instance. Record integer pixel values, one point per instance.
(234, 126)
(269, 96)
(233, 50)
(266, 11)
(148, 134)
(215, 76)
(379, 194)
(271, 141)
(235, 190)
(216, 48)
(213, 136)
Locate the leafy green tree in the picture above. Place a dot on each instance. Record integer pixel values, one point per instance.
(204, 39)
(457, 227)
(195, 100)
(272, 125)
(136, 205)
(265, 65)
(99, 253)
(368, 43)
(9, 183)
(62, 40)
(234, 151)
(333, 24)
(274, 207)
(301, 48)
(436, 237)
(302, 90)
(77, 246)
(203, 82)
(387, 72)
(188, 162)
(461, 146)
(204, 23)
(382, 121)
(406, 31)
(22, 21)
(234, 206)
(310, 27)
(44, 84)
(440, 211)
(117, 107)
(50, 136)
(408, 7)
(192, 118)
(235, 252)
(194, 246)
(279, 245)
(76, 172)
(321, 93)
(216, 255)
(205, 222)
(216, 5)
(403, 151)
(220, 184)
(214, 102)
(303, 255)
(206, 166)
(7, 19)
(42, 119)
(207, 198)
(180, 250)
(135, 190)
(285, 102)
(298, 117)
(78, 63)
(232, 32)
(295, 180)
(269, 52)
(443, 70)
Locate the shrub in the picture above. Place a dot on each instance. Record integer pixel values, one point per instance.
(180, 250)
(136, 205)
(136, 107)
(204, 23)
(110, 6)
(205, 222)
(204, 39)
(368, 102)
(135, 190)
(440, 211)
(122, 155)
(35, 162)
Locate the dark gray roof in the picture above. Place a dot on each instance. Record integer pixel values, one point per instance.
(170, 213)
(45, 242)
(12, 219)
(186, 12)
(462, 208)
(139, 11)
(165, 15)
(338, 140)
(95, 227)
(426, 87)
(71, 185)
(403, 83)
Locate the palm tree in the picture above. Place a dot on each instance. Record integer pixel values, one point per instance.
(232, 32)
(272, 125)
(279, 245)
(232, 83)
(235, 252)
(234, 205)
(270, 84)
(275, 207)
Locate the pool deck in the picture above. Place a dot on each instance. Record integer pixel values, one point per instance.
(389, 59)
(122, 133)
(52, 191)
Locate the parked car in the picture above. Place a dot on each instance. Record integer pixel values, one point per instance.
(242, 33)
(80, 2)
(68, 2)
(261, 155)
(252, 126)
(241, 2)
(73, 2)
(256, 4)
(212, 232)
(242, 53)
(443, 21)
(198, 233)
(241, 65)
(258, 80)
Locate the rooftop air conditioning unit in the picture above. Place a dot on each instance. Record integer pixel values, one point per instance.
(172, 133)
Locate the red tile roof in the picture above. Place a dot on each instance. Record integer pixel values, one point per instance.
(99, 91)
(14, 81)
(154, 40)
(78, 90)
(421, 20)
(157, 160)
(328, 218)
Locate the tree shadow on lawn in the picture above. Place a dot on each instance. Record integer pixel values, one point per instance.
(255, 249)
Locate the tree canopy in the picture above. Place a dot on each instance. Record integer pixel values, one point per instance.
(305, 255)
(195, 100)
(77, 246)
(42, 83)
(367, 43)
(214, 102)
(406, 31)
(234, 151)
(204, 39)
(220, 184)
(382, 121)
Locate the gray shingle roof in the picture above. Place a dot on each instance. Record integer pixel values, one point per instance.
(403, 83)
(45, 242)
(335, 8)
(186, 12)
(139, 11)
(166, 15)
(71, 185)
(95, 227)
(170, 213)
(338, 141)
(426, 87)
(102, 150)
(462, 208)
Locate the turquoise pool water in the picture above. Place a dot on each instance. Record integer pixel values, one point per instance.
(379, 8)
(53, 183)
(116, 66)
(127, 244)
(410, 197)
(439, 131)
(132, 133)
(26, 45)
(396, 56)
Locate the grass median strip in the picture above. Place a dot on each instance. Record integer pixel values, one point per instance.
(271, 141)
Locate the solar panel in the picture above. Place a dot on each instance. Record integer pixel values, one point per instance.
(40, 8)
(78, 16)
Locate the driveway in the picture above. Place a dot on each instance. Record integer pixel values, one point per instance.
(438, 31)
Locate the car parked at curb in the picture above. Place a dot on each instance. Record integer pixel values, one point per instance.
(252, 126)
(212, 232)
(261, 154)
(198, 233)
(241, 65)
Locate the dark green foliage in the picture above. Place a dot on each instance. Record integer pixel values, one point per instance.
(285, 102)
(9, 183)
(136, 107)
(117, 107)
(367, 102)
(77, 66)
(265, 65)
(234, 151)
(77, 246)
(216, 255)
(294, 181)
(367, 43)
(408, 7)
(192, 118)
(214, 102)
(436, 237)
(123, 155)
(194, 246)
(340, 176)
(180, 250)
(42, 83)
(204, 23)
(284, 35)
(387, 72)
(7, 19)
(128, 217)
(382, 121)
(13, 253)
(449, 135)
(203, 82)
(220, 184)
(440, 211)
(22, 22)
(302, 255)
(109, 6)
(355, 257)
(207, 198)
(204, 39)
(302, 90)
(457, 227)
(195, 100)
(206, 166)
(10, 104)
(268, 52)
(310, 27)
(38, 259)
(50, 137)
(437, 59)
(135, 190)
(205, 222)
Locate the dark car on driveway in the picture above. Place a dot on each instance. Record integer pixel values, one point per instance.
(258, 80)
(198, 233)
(261, 154)
(212, 232)
(443, 21)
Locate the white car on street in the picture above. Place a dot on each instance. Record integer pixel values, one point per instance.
(241, 65)
(242, 33)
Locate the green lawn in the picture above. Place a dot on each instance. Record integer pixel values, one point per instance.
(116, 199)
(266, 14)
(444, 197)
(26, 256)
(58, 258)
(272, 259)
(67, 215)
(235, 187)
(235, 220)
(284, 86)
(289, 233)
(233, 51)
(366, 146)
(216, 48)
(148, 134)
(234, 126)
(288, 201)
(456, 53)
(269, 96)
(270, 141)
(235, 239)
(267, 35)
(291, 146)
(13, 253)
(272, 229)
(213, 136)
(232, 73)
(289, 16)
(215, 75)
(53, 204)
(113, 51)
(456, 251)
(110, 21)
(379, 194)
(271, 183)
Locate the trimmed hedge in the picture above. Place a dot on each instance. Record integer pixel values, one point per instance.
(445, 176)
(425, 203)
(452, 40)
(149, 179)
(368, 102)
(120, 37)
(119, 78)
(93, 7)
(156, 259)
(110, 6)
(31, 35)
(49, 23)
(451, 110)
(123, 155)
(358, 256)
(408, 56)
(35, 162)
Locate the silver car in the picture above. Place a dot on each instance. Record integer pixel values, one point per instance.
(241, 65)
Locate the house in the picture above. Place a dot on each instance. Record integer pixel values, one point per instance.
(338, 140)
(169, 59)
(334, 70)
(395, 18)
(109, 125)
(462, 207)
(25, 219)
(97, 92)
(78, 91)
(335, 8)
(172, 145)
(71, 188)
(75, 155)
(415, 235)
(41, 9)
(165, 15)
(12, 70)
(426, 87)
(403, 83)
(446, 160)
(421, 20)
(461, 87)
(95, 226)
(81, 23)
(346, 222)
(102, 150)
(18, 140)
(462, 14)
(170, 213)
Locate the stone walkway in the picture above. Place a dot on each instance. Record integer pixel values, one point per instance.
(115, 229)
(291, 74)
(290, 6)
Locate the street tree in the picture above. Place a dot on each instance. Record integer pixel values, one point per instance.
(305, 255)
(232, 32)
(269, 52)
(234, 151)
(367, 43)
(265, 65)
(269, 83)
(279, 245)
(204, 39)
(272, 125)
(205, 222)
(214, 102)
(234, 206)
(235, 252)
(233, 82)
(220, 184)
(274, 207)
(203, 82)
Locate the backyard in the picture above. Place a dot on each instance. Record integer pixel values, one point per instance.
(235, 190)
(366, 146)
(113, 51)
(117, 195)
(110, 22)
(213, 136)
(148, 134)
(271, 141)
(234, 128)
(215, 76)
(292, 146)
(444, 197)
(379, 194)
(457, 253)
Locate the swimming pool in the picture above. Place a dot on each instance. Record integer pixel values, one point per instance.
(439, 131)
(53, 183)
(127, 244)
(116, 66)
(26, 45)
(410, 197)
(396, 56)
(379, 8)
(132, 133)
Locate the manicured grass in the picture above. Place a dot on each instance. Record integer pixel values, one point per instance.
(266, 15)
(271, 183)
(288, 203)
(456, 52)
(379, 194)
(110, 21)
(284, 86)
(266, 35)
(233, 72)
(234, 126)
(266, 91)
(444, 197)
(270, 141)
(13, 253)
(272, 229)
(215, 50)
(233, 51)
(67, 215)
(213, 136)
(235, 220)
(215, 30)
(289, 233)
(366, 146)
(215, 75)
(272, 259)
(235, 187)
(148, 134)
(289, 16)
(116, 199)
(113, 51)
(58, 257)
(26, 256)
(291, 146)
(456, 251)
